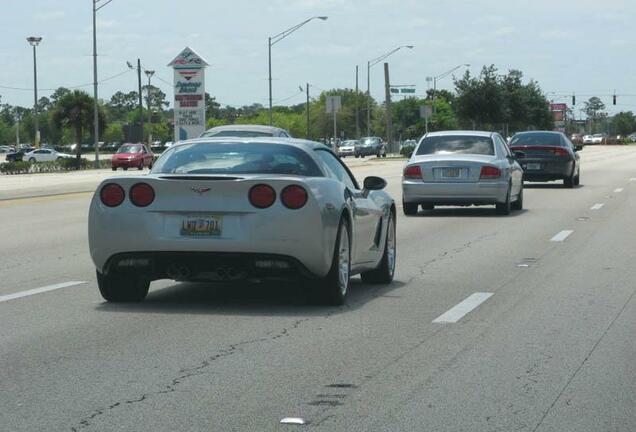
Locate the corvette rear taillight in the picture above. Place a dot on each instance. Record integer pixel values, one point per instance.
(112, 195)
(262, 196)
(293, 197)
(413, 172)
(142, 194)
(489, 172)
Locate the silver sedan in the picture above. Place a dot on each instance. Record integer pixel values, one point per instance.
(242, 209)
(462, 168)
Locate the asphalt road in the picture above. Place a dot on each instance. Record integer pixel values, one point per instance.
(548, 346)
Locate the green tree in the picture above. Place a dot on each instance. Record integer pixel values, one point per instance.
(623, 123)
(75, 111)
(114, 133)
(593, 109)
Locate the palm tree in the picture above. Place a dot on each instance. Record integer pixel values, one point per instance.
(75, 110)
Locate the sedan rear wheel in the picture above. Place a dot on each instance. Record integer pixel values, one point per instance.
(505, 207)
(120, 289)
(410, 209)
(333, 289)
(383, 274)
(518, 204)
(31, 160)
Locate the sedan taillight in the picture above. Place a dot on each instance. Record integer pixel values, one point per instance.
(413, 172)
(489, 172)
(262, 196)
(293, 197)
(142, 194)
(561, 152)
(112, 195)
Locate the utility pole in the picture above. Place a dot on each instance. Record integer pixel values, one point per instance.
(141, 106)
(368, 98)
(17, 129)
(307, 109)
(335, 134)
(95, 118)
(357, 108)
(149, 74)
(389, 121)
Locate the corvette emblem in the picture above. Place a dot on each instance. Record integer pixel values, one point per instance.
(200, 190)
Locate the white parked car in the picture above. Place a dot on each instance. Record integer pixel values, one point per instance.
(45, 155)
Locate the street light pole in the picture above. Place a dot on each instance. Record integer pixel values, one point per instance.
(95, 110)
(34, 41)
(444, 75)
(149, 74)
(273, 40)
(370, 64)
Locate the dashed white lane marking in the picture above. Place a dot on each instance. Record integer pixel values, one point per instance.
(293, 420)
(632, 179)
(618, 190)
(458, 311)
(34, 291)
(561, 236)
(597, 206)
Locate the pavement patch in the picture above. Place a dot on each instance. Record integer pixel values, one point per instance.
(618, 190)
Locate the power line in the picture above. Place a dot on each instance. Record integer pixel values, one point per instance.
(69, 87)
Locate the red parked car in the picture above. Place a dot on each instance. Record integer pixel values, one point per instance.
(132, 156)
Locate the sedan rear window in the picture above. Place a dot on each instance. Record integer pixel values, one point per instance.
(537, 139)
(236, 133)
(456, 144)
(236, 158)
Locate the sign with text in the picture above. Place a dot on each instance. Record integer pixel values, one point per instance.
(189, 95)
(425, 111)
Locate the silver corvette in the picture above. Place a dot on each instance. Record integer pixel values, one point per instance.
(242, 209)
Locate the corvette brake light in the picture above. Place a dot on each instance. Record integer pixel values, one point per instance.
(413, 172)
(293, 197)
(112, 195)
(489, 172)
(262, 196)
(142, 194)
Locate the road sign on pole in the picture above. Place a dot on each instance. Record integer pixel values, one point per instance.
(333, 106)
(425, 113)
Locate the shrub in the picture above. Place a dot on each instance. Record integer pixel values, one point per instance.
(17, 167)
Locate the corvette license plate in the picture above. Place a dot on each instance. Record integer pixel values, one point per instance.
(451, 172)
(533, 166)
(201, 226)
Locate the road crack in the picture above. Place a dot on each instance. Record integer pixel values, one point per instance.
(185, 373)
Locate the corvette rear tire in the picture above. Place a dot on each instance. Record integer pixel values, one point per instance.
(383, 274)
(333, 289)
(410, 209)
(120, 289)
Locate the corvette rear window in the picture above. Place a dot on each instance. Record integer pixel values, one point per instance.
(236, 158)
(456, 144)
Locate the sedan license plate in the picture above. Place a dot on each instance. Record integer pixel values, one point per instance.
(533, 166)
(201, 226)
(451, 172)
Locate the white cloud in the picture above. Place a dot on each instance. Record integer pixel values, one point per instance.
(557, 35)
(504, 31)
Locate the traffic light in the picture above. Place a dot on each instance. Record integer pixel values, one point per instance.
(573, 100)
(614, 100)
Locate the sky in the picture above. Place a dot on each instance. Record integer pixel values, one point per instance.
(583, 47)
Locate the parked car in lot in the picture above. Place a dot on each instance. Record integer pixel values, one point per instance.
(348, 148)
(45, 155)
(594, 139)
(632, 137)
(229, 210)
(547, 156)
(245, 131)
(462, 168)
(371, 146)
(17, 156)
(132, 156)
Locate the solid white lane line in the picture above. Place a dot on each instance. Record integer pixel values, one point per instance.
(597, 206)
(561, 236)
(632, 179)
(34, 291)
(618, 190)
(456, 313)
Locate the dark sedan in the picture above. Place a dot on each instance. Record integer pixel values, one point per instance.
(546, 156)
(18, 155)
